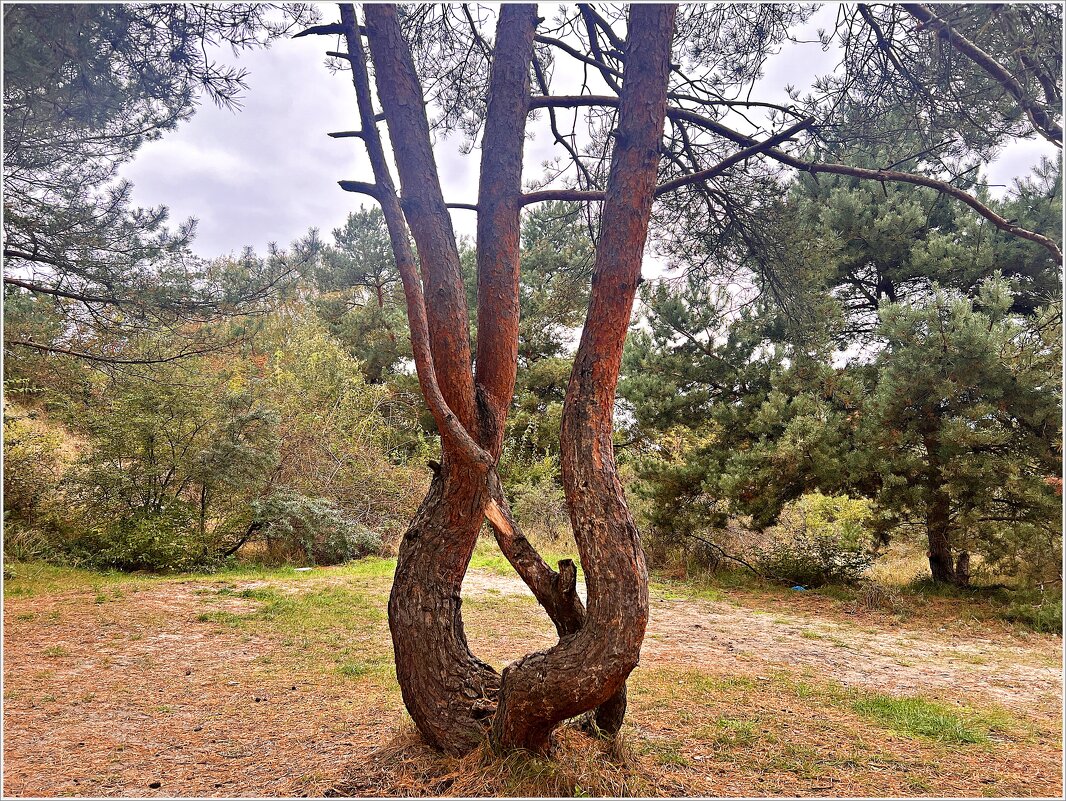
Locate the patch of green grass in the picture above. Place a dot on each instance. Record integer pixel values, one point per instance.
(370, 567)
(672, 590)
(223, 618)
(260, 594)
(55, 651)
(336, 607)
(924, 718)
(665, 753)
(800, 689)
(727, 731)
(838, 592)
(727, 578)
(1044, 616)
(809, 634)
(41, 578)
(371, 665)
(919, 784)
(1030, 607)
(714, 684)
(353, 670)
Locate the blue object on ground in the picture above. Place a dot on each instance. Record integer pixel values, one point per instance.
(799, 588)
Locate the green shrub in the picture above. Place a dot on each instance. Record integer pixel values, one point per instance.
(819, 539)
(343, 544)
(314, 529)
(24, 544)
(164, 541)
(1044, 617)
(31, 468)
(540, 509)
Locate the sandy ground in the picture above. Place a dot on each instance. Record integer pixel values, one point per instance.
(1020, 673)
(139, 697)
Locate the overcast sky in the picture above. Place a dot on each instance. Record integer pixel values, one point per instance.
(268, 172)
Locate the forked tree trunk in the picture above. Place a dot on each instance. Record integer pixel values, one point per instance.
(449, 692)
(587, 668)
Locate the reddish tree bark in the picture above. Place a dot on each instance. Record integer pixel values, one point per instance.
(498, 249)
(499, 205)
(450, 693)
(585, 669)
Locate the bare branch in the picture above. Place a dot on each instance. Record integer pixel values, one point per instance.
(725, 164)
(321, 30)
(361, 187)
(94, 357)
(575, 195)
(811, 167)
(1038, 115)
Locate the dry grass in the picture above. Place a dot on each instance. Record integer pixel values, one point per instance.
(579, 766)
(261, 682)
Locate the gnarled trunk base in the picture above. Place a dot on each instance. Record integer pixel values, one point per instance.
(556, 592)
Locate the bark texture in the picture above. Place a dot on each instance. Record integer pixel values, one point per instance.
(498, 220)
(556, 591)
(450, 693)
(424, 208)
(587, 668)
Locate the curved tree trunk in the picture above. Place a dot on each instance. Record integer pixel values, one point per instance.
(450, 693)
(587, 668)
(555, 591)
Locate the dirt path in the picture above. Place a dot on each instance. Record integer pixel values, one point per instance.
(152, 693)
(1021, 673)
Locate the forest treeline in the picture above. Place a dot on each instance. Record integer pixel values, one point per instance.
(890, 384)
(835, 366)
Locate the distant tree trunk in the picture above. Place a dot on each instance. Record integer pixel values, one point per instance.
(941, 561)
(203, 510)
(587, 668)
(938, 518)
(962, 569)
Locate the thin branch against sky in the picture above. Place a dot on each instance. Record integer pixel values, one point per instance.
(268, 172)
